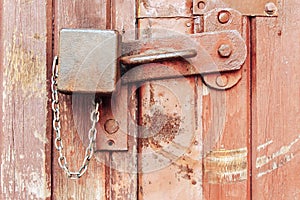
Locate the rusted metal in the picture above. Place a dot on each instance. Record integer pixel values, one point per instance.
(111, 126)
(246, 7)
(157, 56)
(92, 69)
(223, 81)
(270, 8)
(224, 16)
(207, 59)
(224, 50)
(112, 129)
(84, 66)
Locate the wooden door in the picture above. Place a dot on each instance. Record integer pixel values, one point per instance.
(185, 139)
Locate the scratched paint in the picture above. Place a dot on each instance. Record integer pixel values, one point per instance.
(265, 145)
(284, 152)
(263, 160)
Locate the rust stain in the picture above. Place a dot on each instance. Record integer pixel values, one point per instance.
(226, 166)
(160, 128)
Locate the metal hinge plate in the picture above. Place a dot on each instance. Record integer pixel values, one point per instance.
(246, 7)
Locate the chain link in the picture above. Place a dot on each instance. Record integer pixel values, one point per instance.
(62, 161)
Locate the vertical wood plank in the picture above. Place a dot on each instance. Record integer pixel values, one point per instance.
(276, 105)
(170, 143)
(170, 146)
(25, 139)
(226, 139)
(76, 108)
(123, 165)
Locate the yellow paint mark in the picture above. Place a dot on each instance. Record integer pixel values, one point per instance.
(226, 166)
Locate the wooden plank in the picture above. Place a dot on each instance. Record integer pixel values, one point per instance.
(170, 141)
(223, 118)
(276, 105)
(75, 109)
(25, 139)
(170, 156)
(161, 8)
(123, 166)
(226, 147)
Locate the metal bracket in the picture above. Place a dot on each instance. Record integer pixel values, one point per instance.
(246, 7)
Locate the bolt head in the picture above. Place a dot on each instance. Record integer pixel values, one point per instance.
(270, 8)
(222, 80)
(224, 16)
(201, 5)
(225, 50)
(111, 126)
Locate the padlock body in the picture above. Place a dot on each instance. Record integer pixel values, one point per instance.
(88, 61)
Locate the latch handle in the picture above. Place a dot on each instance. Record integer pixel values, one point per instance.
(157, 56)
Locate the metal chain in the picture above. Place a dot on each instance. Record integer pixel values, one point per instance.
(62, 161)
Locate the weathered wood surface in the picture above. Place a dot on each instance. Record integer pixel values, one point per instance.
(276, 105)
(123, 165)
(252, 128)
(76, 108)
(218, 119)
(25, 139)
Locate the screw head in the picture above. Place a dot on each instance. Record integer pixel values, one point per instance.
(270, 8)
(201, 5)
(222, 80)
(225, 50)
(111, 126)
(224, 16)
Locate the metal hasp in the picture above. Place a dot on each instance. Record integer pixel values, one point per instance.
(246, 7)
(89, 59)
(207, 58)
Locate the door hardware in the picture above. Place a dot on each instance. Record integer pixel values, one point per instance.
(95, 67)
(93, 61)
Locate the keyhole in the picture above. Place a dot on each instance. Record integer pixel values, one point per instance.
(110, 142)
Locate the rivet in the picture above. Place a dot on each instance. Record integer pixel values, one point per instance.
(270, 8)
(225, 50)
(188, 24)
(224, 16)
(111, 126)
(201, 5)
(222, 80)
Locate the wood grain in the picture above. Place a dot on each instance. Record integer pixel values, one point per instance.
(25, 139)
(276, 105)
(76, 108)
(221, 126)
(123, 166)
(226, 139)
(170, 145)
